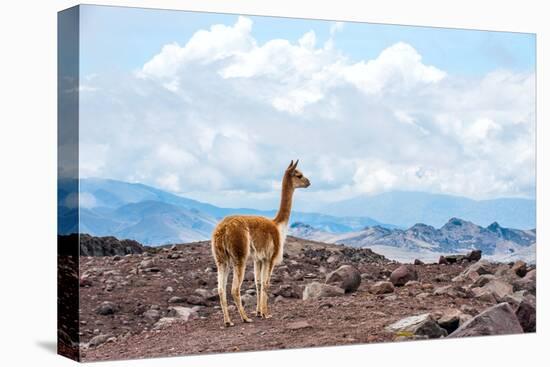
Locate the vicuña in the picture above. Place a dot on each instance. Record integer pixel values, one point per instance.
(236, 236)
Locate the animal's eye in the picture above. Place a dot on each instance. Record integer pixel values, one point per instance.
(299, 176)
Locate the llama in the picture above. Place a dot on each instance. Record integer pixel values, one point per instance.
(235, 236)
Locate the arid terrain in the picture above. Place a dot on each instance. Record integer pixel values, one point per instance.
(163, 301)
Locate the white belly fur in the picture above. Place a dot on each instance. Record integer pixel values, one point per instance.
(283, 230)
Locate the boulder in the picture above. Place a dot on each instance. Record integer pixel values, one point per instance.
(421, 325)
(346, 277)
(499, 319)
(98, 340)
(499, 289)
(443, 260)
(176, 299)
(182, 313)
(288, 291)
(381, 287)
(451, 319)
(481, 267)
(195, 299)
(483, 295)
(152, 315)
(319, 290)
(207, 294)
(483, 279)
(403, 274)
(528, 282)
(474, 255)
(107, 308)
(418, 262)
(527, 314)
(520, 268)
(452, 290)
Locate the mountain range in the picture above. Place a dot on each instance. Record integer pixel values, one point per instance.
(156, 217)
(455, 236)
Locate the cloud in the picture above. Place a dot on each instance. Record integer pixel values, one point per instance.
(220, 117)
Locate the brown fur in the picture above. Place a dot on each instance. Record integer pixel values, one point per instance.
(236, 236)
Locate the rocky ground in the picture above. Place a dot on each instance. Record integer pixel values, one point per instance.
(163, 302)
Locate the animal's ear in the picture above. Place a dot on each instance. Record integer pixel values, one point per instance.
(290, 165)
(295, 164)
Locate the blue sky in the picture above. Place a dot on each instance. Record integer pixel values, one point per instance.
(214, 106)
(125, 38)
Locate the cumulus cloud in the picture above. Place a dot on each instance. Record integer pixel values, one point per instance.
(219, 118)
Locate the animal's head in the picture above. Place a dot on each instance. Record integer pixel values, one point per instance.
(295, 176)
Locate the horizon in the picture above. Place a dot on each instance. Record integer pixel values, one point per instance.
(89, 201)
(330, 93)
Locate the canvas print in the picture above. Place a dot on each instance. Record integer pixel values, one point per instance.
(242, 183)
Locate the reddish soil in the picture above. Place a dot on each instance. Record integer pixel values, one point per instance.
(358, 317)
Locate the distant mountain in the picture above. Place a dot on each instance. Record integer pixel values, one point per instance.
(404, 209)
(155, 217)
(455, 236)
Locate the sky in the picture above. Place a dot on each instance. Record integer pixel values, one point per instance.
(214, 106)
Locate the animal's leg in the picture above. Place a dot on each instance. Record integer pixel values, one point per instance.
(267, 268)
(258, 282)
(238, 276)
(223, 273)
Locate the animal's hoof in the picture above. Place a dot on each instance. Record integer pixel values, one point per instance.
(229, 323)
(268, 316)
(258, 314)
(247, 320)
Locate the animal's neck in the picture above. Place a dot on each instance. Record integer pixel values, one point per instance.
(283, 214)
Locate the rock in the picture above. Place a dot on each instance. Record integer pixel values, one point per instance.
(515, 298)
(481, 267)
(483, 279)
(474, 255)
(528, 282)
(164, 322)
(333, 259)
(502, 269)
(451, 319)
(176, 299)
(442, 278)
(318, 290)
(403, 274)
(413, 283)
(152, 315)
(381, 287)
(248, 300)
(418, 325)
(484, 295)
(346, 277)
(527, 314)
(451, 290)
(498, 288)
(169, 289)
(443, 260)
(107, 308)
(146, 263)
(298, 325)
(418, 262)
(496, 320)
(98, 340)
(195, 300)
(85, 282)
(207, 294)
(422, 295)
(288, 291)
(183, 313)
